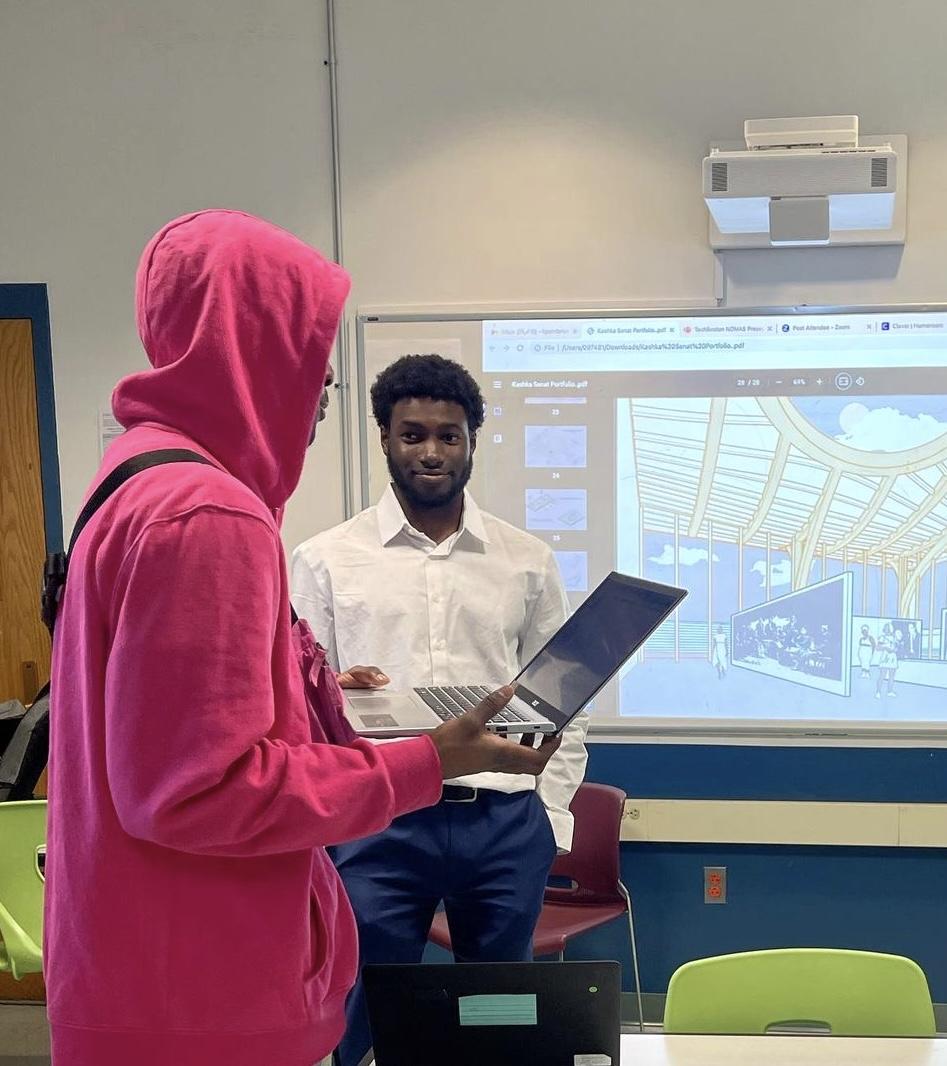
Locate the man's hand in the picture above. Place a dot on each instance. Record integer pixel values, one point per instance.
(465, 746)
(363, 677)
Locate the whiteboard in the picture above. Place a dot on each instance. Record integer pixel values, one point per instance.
(590, 444)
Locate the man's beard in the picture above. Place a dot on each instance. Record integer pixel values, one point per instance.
(454, 487)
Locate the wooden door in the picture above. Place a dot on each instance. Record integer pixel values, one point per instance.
(24, 642)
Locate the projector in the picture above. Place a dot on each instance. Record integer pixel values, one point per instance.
(806, 182)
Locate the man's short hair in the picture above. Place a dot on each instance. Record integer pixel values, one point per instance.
(430, 377)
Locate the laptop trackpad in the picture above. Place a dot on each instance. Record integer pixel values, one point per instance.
(376, 710)
(377, 721)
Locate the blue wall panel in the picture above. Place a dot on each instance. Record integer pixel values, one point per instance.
(708, 771)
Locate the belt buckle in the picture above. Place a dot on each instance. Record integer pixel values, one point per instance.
(469, 799)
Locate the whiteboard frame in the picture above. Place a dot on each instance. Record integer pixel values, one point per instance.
(653, 730)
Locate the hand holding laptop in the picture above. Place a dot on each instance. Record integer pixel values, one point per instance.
(550, 690)
(465, 746)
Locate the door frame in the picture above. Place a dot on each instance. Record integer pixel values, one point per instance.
(32, 302)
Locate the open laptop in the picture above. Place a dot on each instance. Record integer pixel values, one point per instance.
(495, 1014)
(589, 648)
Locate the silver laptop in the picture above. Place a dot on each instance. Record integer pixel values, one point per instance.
(589, 648)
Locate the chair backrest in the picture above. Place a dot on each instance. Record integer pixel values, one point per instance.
(22, 832)
(592, 866)
(851, 993)
(25, 757)
(11, 711)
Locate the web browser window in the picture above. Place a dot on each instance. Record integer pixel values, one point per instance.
(788, 469)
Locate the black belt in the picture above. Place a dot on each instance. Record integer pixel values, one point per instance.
(459, 794)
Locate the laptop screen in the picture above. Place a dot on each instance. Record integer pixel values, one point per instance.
(613, 623)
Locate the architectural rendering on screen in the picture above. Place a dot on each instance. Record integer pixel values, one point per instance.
(812, 535)
(789, 470)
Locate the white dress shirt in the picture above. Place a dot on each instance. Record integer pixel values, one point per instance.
(471, 610)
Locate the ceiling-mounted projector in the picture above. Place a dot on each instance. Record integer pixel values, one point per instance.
(806, 182)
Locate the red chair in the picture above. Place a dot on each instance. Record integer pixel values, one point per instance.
(595, 895)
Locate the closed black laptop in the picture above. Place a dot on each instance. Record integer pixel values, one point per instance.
(495, 1014)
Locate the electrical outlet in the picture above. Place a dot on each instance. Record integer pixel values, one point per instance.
(715, 884)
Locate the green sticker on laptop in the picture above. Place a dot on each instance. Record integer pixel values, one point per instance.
(497, 1010)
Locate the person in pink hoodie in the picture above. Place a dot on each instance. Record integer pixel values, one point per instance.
(199, 760)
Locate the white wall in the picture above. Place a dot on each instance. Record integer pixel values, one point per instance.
(536, 150)
(118, 116)
(494, 151)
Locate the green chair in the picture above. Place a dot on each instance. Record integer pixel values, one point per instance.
(22, 837)
(850, 993)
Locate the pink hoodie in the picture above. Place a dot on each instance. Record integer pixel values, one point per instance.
(192, 915)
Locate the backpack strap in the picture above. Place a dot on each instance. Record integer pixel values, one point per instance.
(57, 563)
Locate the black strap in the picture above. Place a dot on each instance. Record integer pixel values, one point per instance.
(57, 564)
(122, 473)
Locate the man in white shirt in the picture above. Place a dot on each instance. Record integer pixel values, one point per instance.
(431, 590)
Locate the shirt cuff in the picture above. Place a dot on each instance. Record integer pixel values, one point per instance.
(562, 824)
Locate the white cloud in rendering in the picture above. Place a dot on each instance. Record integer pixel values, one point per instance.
(686, 556)
(780, 573)
(851, 415)
(885, 429)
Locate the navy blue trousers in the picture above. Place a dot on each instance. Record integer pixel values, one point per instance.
(488, 862)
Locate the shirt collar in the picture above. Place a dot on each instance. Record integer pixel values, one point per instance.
(392, 520)
(472, 521)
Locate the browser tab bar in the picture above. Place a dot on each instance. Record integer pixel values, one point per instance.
(721, 342)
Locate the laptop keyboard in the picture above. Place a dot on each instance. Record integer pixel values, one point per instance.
(449, 701)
